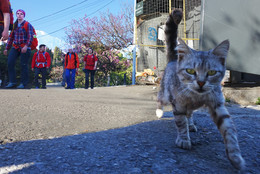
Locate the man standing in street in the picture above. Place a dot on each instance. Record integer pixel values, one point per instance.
(90, 62)
(40, 63)
(20, 42)
(71, 65)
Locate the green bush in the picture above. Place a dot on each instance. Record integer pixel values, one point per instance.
(258, 101)
(49, 81)
(110, 64)
(227, 100)
(117, 78)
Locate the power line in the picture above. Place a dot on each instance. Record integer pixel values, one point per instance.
(59, 17)
(59, 11)
(69, 25)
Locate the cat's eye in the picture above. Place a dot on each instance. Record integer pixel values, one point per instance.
(212, 72)
(191, 71)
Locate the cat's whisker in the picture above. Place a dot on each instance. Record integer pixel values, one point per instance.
(184, 92)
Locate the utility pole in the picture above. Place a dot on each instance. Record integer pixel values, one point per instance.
(135, 44)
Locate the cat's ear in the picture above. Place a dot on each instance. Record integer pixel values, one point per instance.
(222, 49)
(182, 49)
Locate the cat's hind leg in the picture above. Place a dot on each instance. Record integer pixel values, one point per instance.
(159, 113)
(159, 110)
(192, 127)
(183, 138)
(162, 100)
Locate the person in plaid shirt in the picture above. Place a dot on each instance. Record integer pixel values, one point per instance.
(19, 42)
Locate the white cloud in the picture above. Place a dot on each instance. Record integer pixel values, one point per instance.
(50, 41)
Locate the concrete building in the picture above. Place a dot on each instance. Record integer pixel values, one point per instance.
(151, 16)
(205, 24)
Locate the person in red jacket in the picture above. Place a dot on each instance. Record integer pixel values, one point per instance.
(90, 62)
(71, 65)
(40, 63)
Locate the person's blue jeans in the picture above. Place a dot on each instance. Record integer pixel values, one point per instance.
(70, 78)
(12, 57)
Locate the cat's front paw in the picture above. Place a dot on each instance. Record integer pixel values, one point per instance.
(237, 161)
(184, 144)
(192, 128)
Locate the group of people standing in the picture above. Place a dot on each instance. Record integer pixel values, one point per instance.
(71, 66)
(20, 41)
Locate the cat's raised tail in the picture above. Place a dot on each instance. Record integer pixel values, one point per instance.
(171, 32)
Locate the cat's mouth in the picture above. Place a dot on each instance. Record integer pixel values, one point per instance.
(200, 90)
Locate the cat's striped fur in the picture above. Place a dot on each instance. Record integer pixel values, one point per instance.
(192, 79)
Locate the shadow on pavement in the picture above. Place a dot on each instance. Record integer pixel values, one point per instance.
(143, 148)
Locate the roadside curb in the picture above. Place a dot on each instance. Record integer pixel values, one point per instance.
(242, 95)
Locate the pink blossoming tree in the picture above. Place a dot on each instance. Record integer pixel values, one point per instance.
(106, 34)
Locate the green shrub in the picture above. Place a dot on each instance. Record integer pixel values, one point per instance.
(258, 101)
(227, 100)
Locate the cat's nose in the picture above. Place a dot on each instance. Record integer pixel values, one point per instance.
(200, 83)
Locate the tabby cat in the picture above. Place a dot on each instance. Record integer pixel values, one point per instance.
(191, 80)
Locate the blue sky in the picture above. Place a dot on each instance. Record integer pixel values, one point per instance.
(35, 10)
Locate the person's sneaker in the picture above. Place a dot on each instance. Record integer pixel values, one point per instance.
(44, 87)
(36, 87)
(21, 86)
(10, 85)
(67, 88)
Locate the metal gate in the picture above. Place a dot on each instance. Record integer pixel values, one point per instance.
(150, 18)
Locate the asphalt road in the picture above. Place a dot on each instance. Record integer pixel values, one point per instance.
(55, 112)
(112, 130)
